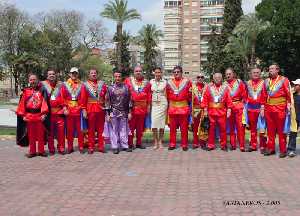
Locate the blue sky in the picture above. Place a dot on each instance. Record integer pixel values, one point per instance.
(151, 10)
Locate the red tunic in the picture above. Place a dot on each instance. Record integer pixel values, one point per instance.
(276, 94)
(93, 96)
(198, 90)
(254, 94)
(140, 94)
(238, 93)
(217, 99)
(55, 96)
(71, 91)
(179, 94)
(32, 105)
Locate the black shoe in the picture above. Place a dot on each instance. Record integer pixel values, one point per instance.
(224, 149)
(195, 146)
(30, 155)
(282, 155)
(262, 151)
(70, 151)
(42, 154)
(233, 148)
(140, 146)
(185, 148)
(127, 150)
(171, 148)
(268, 153)
(116, 151)
(81, 151)
(249, 150)
(242, 150)
(209, 149)
(90, 151)
(102, 151)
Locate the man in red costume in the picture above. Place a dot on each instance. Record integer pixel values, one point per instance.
(141, 97)
(33, 108)
(277, 102)
(197, 112)
(179, 94)
(71, 91)
(254, 98)
(56, 104)
(238, 96)
(217, 104)
(93, 98)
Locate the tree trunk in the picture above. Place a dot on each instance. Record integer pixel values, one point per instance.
(253, 54)
(119, 43)
(15, 74)
(11, 81)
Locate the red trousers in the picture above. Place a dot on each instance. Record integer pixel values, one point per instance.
(136, 124)
(73, 122)
(275, 124)
(96, 124)
(253, 118)
(196, 140)
(213, 122)
(58, 126)
(36, 133)
(235, 123)
(181, 121)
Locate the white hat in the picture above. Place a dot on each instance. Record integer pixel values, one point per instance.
(296, 82)
(74, 69)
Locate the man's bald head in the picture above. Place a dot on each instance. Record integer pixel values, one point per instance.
(138, 72)
(217, 77)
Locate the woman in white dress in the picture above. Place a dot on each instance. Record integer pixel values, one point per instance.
(159, 107)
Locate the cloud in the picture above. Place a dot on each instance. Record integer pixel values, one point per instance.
(249, 5)
(154, 14)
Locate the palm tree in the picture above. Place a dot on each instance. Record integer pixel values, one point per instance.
(148, 37)
(251, 26)
(240, 46)
(117, 11)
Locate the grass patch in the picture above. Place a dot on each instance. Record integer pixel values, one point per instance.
(7, 131)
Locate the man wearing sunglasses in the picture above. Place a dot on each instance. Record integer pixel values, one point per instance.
(197, 113)
(141, 98)
(179, 95)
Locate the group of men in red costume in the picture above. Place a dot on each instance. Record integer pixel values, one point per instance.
(64, 104)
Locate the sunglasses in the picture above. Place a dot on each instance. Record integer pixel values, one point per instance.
(200, 77)
(176, 72)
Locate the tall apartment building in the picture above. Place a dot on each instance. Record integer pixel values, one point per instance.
(196, 16)
(172, 34)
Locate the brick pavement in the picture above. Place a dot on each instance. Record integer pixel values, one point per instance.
(146, 182)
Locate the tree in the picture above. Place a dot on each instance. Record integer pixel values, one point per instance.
(251, 26)
(12, 24)
(232, 13)
(125, 53)
(118, 11)
(104, 70)
(94, 34)
(67, 23)
(240, 46)
(148, 37)
(280, 42)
